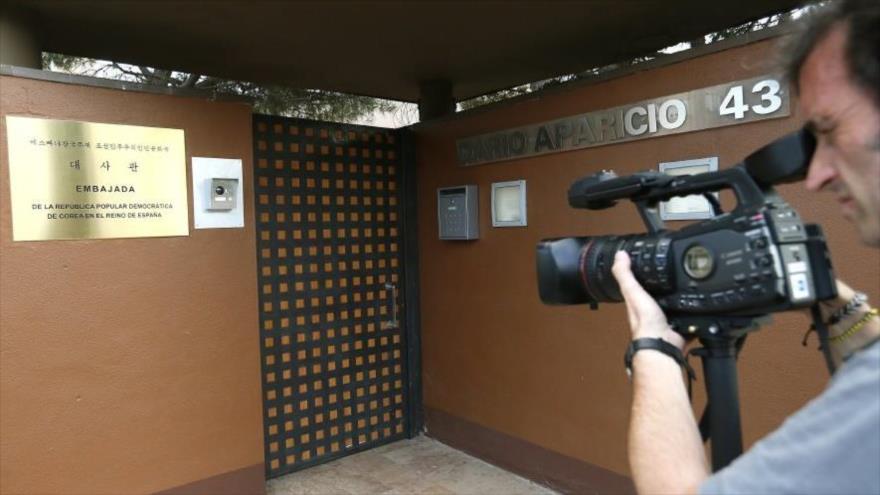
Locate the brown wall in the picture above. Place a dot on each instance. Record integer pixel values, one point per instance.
(553, 376)
(130, 365)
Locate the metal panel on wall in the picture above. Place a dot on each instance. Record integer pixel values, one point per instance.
(329, 251)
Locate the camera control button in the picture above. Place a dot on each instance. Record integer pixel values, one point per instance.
(760, 243)
(663, 246)
(765, 260)
(739, 278)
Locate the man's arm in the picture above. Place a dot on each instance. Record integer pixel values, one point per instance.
(665, 452)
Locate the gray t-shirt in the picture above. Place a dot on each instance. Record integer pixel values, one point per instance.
(832, 445)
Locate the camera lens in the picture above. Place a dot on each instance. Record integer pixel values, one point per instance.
(558, 266)
(577, 270)
(595, 267)
(698, 262)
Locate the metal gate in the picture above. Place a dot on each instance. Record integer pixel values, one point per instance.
(329, 214)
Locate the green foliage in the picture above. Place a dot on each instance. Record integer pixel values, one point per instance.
(314, 104)
(63, 63)
(504, 94)
(269, 99)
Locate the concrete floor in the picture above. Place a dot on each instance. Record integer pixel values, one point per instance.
(417, 466)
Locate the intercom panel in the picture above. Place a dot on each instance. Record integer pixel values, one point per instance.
(458, 213)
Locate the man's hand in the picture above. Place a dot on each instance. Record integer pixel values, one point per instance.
(646, 319)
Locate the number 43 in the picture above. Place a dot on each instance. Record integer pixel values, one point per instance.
(733, 102)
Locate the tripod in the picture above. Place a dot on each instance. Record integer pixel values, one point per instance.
(721, 338)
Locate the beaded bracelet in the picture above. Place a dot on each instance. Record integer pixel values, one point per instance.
(847, 309)
(854, 329)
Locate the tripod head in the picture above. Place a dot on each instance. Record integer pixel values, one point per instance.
(714, 327)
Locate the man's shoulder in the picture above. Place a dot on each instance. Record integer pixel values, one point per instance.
(831, 445)
(863, 365)
(855, 385)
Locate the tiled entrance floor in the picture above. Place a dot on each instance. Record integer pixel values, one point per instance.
(417, 466)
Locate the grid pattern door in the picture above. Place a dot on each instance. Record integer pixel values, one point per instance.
(329, 259)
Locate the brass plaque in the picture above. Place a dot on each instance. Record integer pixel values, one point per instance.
(83, 180)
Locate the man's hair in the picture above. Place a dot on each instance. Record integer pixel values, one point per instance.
(862, 19)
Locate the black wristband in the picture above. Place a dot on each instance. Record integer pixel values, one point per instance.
(657, 345)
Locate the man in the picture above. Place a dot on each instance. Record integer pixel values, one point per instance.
(832, 445)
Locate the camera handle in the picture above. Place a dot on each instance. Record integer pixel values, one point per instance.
(748, 193)
(721, 339)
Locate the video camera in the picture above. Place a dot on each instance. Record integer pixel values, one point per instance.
(757, 259)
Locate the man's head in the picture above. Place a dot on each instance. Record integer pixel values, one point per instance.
(837, 73)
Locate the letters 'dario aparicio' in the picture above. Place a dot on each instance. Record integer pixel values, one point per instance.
(733, 103)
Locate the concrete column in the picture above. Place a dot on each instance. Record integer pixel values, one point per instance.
(19, 43)
(435, 99)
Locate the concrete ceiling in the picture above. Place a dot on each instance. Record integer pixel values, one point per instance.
(382, 49)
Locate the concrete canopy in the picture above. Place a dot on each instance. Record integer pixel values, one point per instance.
(383, 49)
